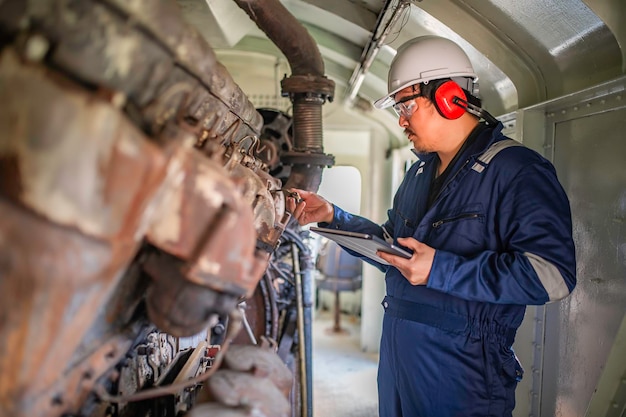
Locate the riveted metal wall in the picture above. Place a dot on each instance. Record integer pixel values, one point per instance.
(583, 134)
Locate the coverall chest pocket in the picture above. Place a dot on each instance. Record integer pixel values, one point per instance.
(461, 229)
(406, 225)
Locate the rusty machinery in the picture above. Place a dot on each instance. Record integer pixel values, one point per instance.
(139, 212)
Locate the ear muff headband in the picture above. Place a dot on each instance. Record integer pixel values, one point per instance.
(445, 96)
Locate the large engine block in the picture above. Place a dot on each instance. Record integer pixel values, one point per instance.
(136, 215)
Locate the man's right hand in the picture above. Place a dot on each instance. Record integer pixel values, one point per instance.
(311, 209)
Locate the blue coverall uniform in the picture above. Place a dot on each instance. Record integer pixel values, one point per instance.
(501, 227)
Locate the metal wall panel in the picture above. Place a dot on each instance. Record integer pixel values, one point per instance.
(585, 138)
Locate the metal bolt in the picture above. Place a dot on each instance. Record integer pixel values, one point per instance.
(36, 48)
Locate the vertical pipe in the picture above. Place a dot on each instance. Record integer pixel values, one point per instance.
(307, 117)
(307, 302)
(304, 339)
(307, 88)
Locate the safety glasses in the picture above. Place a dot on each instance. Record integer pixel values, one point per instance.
(406, 106)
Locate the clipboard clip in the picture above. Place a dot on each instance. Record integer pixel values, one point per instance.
(386, 235)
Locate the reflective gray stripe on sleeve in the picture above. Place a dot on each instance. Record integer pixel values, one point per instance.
(550, 277)
(491, 152)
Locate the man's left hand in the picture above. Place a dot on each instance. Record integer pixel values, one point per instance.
(417, 269)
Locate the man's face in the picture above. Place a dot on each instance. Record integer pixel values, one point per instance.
(414, 113)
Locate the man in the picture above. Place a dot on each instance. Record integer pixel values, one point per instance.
(490, 230)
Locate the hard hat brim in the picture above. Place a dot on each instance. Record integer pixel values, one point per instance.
(388, 100)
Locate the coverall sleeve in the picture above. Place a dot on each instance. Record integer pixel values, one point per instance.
(342, 220)
(537, 264)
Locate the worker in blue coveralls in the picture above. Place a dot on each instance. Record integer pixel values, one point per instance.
(489, 228)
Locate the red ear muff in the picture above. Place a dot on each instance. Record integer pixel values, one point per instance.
(444, 100)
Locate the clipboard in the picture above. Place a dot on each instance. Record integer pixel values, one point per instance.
(363, 243)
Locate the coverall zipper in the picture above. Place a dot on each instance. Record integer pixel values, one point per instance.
(438, 223)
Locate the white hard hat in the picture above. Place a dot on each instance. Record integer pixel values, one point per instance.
(423, 59)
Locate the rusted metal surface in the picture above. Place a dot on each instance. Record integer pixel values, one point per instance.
(49, 295)
(205, 222)
(253, 380)
(132, 195)
(81, 177)
(79, 162)
(206, 258)
(146, 53)
(78, 184)
(262, 192)
(259, 361)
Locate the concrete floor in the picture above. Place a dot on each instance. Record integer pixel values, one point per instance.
(344, 377)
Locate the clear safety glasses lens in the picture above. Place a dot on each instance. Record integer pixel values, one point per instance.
(406, 106)
(405, 109)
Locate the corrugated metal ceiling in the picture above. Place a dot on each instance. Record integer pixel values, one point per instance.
(524, 51)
